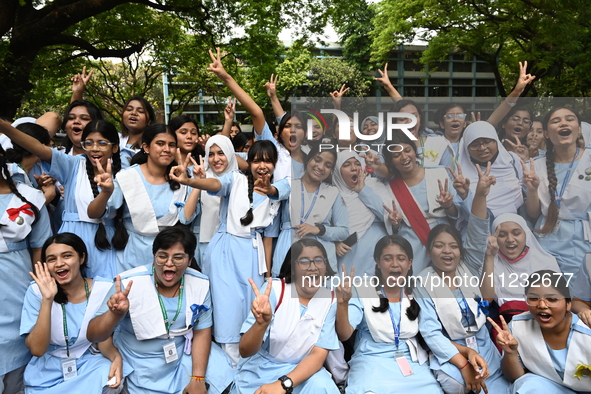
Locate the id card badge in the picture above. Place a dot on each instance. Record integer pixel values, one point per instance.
(170, 353)
(404, 366)
(556, 228)
(471, 343)
(69, 369)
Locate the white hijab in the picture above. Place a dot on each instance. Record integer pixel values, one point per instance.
(506, 196)
(210, 205)
(537, 258)
(360, 216)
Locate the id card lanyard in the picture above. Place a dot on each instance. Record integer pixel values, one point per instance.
(565, 181)
(395, 326)
(168, 324)
(302, 216)
(66, 337)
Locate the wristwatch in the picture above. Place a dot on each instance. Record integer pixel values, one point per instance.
(286, 383)
(322, 229)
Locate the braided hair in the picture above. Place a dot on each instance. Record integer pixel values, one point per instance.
(108, 131)
(552, 217)
(413, 310)
(260, 151)
(12, 186)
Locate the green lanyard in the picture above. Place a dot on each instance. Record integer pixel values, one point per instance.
(66, 319)
(178, 308)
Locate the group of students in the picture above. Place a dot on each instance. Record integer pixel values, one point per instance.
(179, 263)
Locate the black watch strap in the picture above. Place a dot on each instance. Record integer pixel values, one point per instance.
(322, 230)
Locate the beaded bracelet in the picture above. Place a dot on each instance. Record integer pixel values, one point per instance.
(197, 378)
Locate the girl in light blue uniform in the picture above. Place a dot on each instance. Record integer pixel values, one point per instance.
(546, 349)
(145, 181)
(241, 248)
(45, 374)
(559, 191)
(452, 313)
(76, 174)
(366, 212)
(316, 209)
(22, 229)
(161, 317)
(295, 329)
(387, 323)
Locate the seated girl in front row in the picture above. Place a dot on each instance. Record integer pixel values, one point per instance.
(290, 328)
(58, 307)
(546, 350)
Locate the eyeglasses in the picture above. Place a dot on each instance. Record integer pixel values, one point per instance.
(550, 302)
(101, 145)
(306, 264)
(451, 116)
(485, 144)
(525, 121)
(177, 259)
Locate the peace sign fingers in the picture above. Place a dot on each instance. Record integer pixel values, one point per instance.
(254, 287)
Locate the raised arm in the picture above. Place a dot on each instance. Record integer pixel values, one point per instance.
(101, 327)
(79, 82)
(258, 117)
(511, 100)
(251, 341)
(38, 339)
(533, 207)
(271, 87)
(26, 141)
(485, 181)
(229, 117)
(384, 80)
(179, 174)
(510, 365)
(487, 286)
(344, 294)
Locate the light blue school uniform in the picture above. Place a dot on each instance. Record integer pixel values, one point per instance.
(65, 169)
(138, 250)
(44, 374)
(151, 373)
(335, 222)
(361, 253)
(194, 223)
(569, 258)
(231, 261)
(14, 280)
(435, 334)
(580, 285)
(297, 168)
(260, 369)
(531, 383)
(419, 191)
(450, 155)
(373, 366)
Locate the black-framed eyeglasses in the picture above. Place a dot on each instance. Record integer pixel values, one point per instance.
(485, 144)
(178, 259)
(306, 264)
(101, 145)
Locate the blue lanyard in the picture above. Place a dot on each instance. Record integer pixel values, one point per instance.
(394, 325)
(565, 181)
(302, 217)
(465, 309)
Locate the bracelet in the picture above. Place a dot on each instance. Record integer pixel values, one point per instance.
(467, 362)
(197, 378)
(510, 104)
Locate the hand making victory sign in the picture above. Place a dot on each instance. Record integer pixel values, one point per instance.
(393, 216)
(261, 306)
(119, 303)
(461, 184)
(530, 179)
(520, 150)
(104, 179)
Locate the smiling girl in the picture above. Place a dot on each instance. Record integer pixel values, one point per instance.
(546, 349)
(77, 173)
(137, 115)
(58, 307)
(241, 247)
(147, 196)
(78, 114)
(558, 191)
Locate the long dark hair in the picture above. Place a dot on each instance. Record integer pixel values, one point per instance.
(93, 111)
(413, 310)
(295, 250)
(108, 131)
(397, 138)
(403, 103)
(262, 151)
(315, 150)
(79, 247)
(177, 122)
(552, 217)
(287, 117)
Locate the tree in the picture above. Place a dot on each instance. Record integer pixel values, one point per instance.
(554, 37)
(66, 30)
